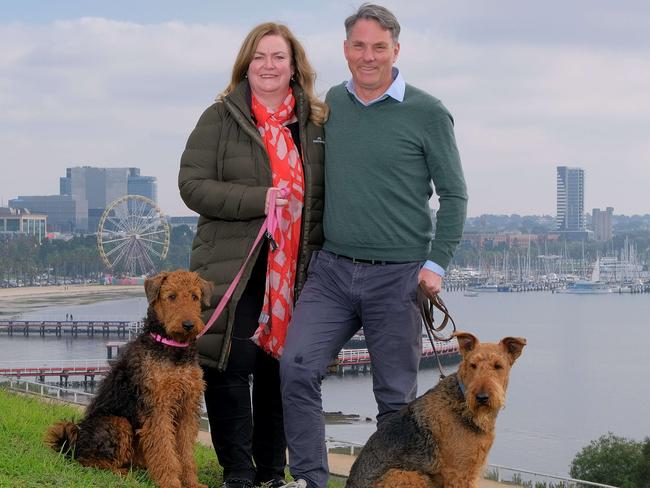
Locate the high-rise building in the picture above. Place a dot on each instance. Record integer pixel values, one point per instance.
(95, 188)
(570, 199)
(601, 220)
(145, 186)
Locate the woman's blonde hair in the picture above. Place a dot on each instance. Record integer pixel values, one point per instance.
(304, 74)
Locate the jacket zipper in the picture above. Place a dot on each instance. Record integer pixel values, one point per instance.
(306, 169)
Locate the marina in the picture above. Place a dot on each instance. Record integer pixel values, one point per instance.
(555, 273)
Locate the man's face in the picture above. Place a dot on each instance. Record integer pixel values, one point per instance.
(371, 53)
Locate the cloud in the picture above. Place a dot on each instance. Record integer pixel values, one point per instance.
(97, 91)
(523, 108)
(104, 92)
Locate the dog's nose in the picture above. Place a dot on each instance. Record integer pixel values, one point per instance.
(187, 325)
(483, 398)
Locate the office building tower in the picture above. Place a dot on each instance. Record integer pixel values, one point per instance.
(570, 199)
(145, 186)
(95, 188)
(601, 220)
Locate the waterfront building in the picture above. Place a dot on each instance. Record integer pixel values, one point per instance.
(145, 186)
(571, 222)
(63, 213)
(503, 240)
(570, 199)
(601, 221)
(94, 188)
(22, 221)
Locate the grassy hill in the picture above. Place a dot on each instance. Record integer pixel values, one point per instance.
(25, 462)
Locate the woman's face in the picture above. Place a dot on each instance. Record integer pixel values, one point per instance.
(271, 68)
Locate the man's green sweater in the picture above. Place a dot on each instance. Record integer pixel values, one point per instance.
(380, 161)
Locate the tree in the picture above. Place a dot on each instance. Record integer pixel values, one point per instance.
(180, 247)
(643, 468)
(610, 460)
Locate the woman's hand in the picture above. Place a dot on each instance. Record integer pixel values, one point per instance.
(280, 198)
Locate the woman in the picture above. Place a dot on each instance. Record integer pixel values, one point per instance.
(264, 131)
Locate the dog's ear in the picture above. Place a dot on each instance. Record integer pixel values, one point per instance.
(152, 286)
(513, 346)
(466, 341)
(207, 289)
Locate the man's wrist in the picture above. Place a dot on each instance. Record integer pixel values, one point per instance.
(435, 267)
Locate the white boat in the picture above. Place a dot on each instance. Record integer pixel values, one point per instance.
(589, 287)
(586, 288)
(470, 293)
(488, 287)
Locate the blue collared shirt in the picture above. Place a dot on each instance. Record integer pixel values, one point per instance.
(395, 91)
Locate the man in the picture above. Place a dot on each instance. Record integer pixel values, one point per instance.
(385, 142)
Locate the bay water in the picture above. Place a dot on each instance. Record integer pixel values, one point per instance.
(583, 373)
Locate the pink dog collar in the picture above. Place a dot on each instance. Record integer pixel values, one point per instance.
(168, 342)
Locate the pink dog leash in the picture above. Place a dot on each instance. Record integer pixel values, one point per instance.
(267, 230)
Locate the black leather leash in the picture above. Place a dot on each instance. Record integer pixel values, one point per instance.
(426, 306)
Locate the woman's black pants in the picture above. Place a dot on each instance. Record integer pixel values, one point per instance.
(248, 439)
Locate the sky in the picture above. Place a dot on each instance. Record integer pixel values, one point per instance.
(531, 85)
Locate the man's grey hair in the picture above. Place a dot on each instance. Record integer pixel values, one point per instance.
(381, 14)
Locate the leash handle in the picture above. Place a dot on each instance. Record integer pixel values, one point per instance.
(269, 226)
(426, 305)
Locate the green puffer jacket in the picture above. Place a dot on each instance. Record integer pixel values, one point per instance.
(224, 175)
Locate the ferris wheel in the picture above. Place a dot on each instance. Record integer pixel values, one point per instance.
(133, 236)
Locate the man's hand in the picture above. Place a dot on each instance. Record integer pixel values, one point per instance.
(430, 282)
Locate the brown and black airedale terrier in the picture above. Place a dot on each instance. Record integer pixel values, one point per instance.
(442, 438)
(146, 412)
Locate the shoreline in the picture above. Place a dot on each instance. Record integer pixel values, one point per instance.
(16, 301)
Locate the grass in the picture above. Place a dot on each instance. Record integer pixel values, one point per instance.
(25, 462)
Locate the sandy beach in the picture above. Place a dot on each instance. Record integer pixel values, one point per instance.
(15, 301)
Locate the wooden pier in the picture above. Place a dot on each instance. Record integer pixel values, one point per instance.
(88, 369)
(349, 361)
(73, 327)
(357, 361)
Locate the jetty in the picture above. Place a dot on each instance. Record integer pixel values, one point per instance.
(72, 327)
(63, 370)
(357, 360)
(349, 361)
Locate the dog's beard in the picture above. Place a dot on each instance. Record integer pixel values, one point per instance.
(484, 414)
(485, 419)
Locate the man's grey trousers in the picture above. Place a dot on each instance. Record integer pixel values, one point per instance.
(340, 297)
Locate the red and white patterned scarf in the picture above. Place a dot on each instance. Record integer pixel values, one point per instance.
(286, 168)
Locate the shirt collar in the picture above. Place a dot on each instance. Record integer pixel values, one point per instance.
(395, 90)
